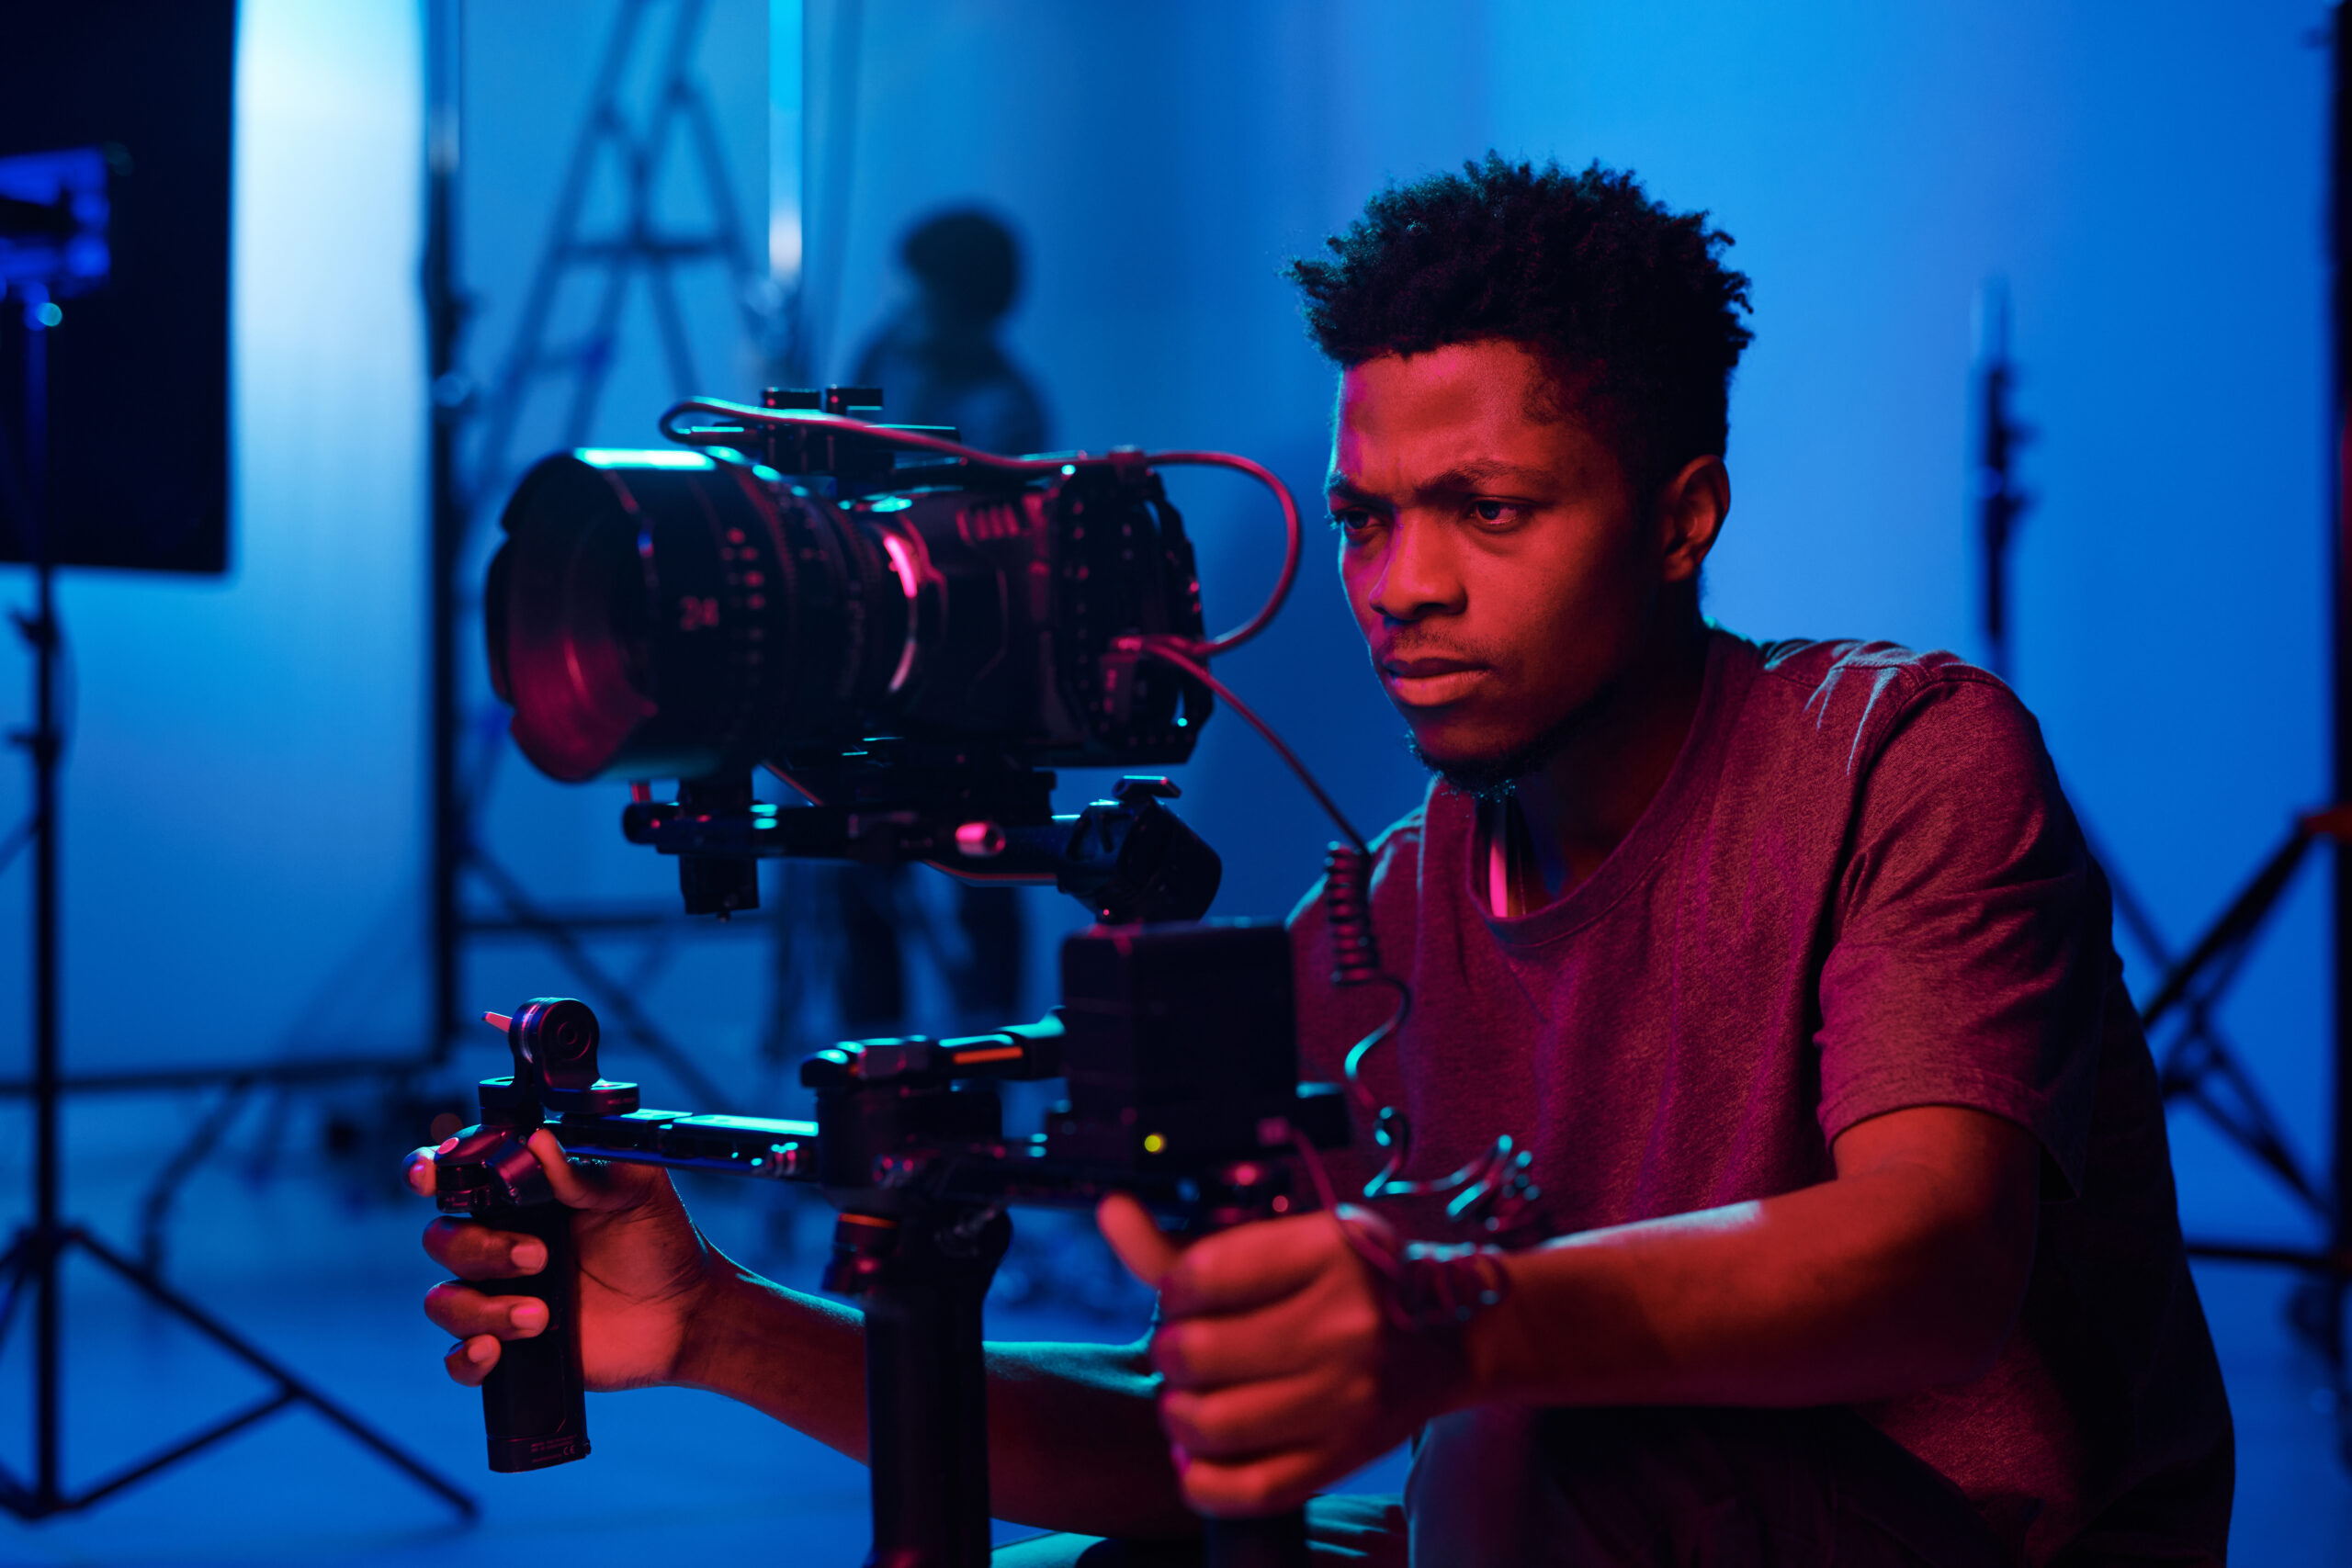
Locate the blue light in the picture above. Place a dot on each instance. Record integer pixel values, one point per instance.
(660, 457)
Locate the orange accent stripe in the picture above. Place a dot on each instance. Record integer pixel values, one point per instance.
(874, 1220)
(988, 1054)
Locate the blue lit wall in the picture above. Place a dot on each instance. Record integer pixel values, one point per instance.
(246, 774)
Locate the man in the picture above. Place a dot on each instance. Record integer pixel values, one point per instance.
(1851, 1236)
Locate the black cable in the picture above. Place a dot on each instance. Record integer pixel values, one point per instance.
(1485, 1186)
(1171, 650)
(1027, 467)
(1294, 543)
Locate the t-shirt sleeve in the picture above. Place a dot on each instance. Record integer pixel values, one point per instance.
(1968, 962)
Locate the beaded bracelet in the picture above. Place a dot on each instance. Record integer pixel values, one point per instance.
(1445, 1287)
(1430, 1286)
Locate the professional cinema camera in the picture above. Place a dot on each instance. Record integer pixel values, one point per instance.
(909, 633)
(909, 646)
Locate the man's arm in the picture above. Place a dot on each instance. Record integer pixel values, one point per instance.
(1904, 1272)
(1074, 1443)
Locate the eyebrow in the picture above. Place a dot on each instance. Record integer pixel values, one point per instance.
(1461, 479)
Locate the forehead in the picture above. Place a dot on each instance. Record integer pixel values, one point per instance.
(1403, 417)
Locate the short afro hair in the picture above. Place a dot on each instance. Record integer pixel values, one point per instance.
(1628, 303)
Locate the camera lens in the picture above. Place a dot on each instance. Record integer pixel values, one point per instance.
(670, 614)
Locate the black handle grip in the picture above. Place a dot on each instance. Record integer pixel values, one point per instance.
(534, 1403)
(1279, 1541)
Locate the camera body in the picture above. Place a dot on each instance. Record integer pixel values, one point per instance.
(690, 614)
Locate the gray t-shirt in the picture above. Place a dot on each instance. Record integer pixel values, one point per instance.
(1858, 890)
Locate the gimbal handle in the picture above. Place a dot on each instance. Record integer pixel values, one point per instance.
(534, 1403)
(1176, 1043)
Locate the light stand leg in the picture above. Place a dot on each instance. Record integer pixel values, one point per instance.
(2340, 609)
(48, 1391)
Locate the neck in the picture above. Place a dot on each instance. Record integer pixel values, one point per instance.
(1590, 792)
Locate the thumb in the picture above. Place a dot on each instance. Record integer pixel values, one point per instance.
(1134, 1235)
(563, 1181)
(593, 1184)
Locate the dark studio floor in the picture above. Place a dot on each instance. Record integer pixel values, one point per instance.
(677, 1476)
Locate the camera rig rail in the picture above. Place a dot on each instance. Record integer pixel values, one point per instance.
(1176, 1044)
(1127, 857)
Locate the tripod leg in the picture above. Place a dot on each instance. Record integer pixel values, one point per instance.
(32, 1256)
(23, 1258)
(294, 1389)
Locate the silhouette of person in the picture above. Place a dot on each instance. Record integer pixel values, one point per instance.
(938, 362)
(937, 359)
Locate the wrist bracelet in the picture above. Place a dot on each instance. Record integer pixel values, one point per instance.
(1445, 1287)
(1430, 1286)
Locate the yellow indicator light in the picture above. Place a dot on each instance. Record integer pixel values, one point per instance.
(1153, 1142)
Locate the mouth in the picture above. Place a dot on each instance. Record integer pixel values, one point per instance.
(1431, 682)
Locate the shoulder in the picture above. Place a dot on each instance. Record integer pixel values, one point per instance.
(1843, 702)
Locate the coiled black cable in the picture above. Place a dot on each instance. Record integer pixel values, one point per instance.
(1490, 1192)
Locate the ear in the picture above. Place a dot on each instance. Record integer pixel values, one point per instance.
(1691, 511)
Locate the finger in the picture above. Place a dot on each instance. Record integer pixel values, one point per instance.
(1252, 1265)
(474, 1251)
(472, 1359)
(1307, 1330)
(455, 1309)
(1136, 1238)
(1315, 1409)
(419, 1169)
(1252, 1488)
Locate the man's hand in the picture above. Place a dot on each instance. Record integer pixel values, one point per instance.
(644, 1271)
(1281, 1372)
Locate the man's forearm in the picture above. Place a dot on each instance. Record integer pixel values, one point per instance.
(1073, 1440)
(1835, 1294)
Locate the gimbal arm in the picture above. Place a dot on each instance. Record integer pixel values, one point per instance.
(1176, 1044)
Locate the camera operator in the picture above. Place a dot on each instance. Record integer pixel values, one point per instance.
(1853, 1235)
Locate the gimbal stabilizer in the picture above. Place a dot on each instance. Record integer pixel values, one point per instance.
(1177, 1044)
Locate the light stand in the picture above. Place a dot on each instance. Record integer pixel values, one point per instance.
(38, 1249)
(2199, 1065)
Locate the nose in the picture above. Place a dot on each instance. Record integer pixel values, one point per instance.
(1416, 576)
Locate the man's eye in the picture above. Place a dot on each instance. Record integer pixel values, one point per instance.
(1350, 519)
(1496, 510)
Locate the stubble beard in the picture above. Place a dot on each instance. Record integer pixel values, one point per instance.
(1490, 780)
